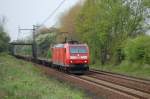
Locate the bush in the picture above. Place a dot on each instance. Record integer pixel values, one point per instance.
(43, 42)
(4, 40)
(138, 49)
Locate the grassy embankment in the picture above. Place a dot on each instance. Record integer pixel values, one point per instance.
(22, 80)
(132, 69)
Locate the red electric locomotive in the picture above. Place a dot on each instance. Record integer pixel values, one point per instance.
(71, 56)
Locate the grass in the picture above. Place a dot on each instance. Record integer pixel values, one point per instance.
(22, 80)
(128, 68)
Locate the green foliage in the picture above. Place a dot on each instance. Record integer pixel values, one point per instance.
(147, 3)
(138, 49)
(4, 40)
(44, 41)
(105, 24)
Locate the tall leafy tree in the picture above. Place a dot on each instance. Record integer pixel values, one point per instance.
(4, 38)
(68, 19)
(105, 24)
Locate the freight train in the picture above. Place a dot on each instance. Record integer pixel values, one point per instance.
(71, 56)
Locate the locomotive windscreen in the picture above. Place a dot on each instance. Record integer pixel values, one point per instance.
(78, 49)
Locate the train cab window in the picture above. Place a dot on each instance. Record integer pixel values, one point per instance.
(82, 50)
(78, 50)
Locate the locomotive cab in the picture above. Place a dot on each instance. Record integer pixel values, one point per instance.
(78, 54)
(73, 57)
(77, 57)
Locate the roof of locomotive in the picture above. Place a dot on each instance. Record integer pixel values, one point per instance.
(76, 44)
(58, 46)
(67, 44)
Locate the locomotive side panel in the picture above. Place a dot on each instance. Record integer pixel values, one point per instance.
(58, 56)
(61, 56)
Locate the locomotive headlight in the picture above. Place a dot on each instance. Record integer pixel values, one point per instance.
(84, 57)
(85, 61)
(72, 57)
(70, 61)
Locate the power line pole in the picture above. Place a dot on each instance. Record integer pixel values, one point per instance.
(34, 44)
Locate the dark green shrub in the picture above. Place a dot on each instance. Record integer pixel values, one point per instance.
(138, 49)
(4, 40)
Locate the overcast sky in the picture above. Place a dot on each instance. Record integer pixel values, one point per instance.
(28, 12)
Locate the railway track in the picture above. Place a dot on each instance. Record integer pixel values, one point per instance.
(138, 88)
(104, 84)
(122, 80)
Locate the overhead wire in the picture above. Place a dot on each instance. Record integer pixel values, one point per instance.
(49, 17)
(51, 14)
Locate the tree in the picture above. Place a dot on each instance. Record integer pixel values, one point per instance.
(45, 38)
(138, 49)
(4, 38)
(105, 24)
(68, 20)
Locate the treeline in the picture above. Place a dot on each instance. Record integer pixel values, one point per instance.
(115, 30)
(4, 38)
